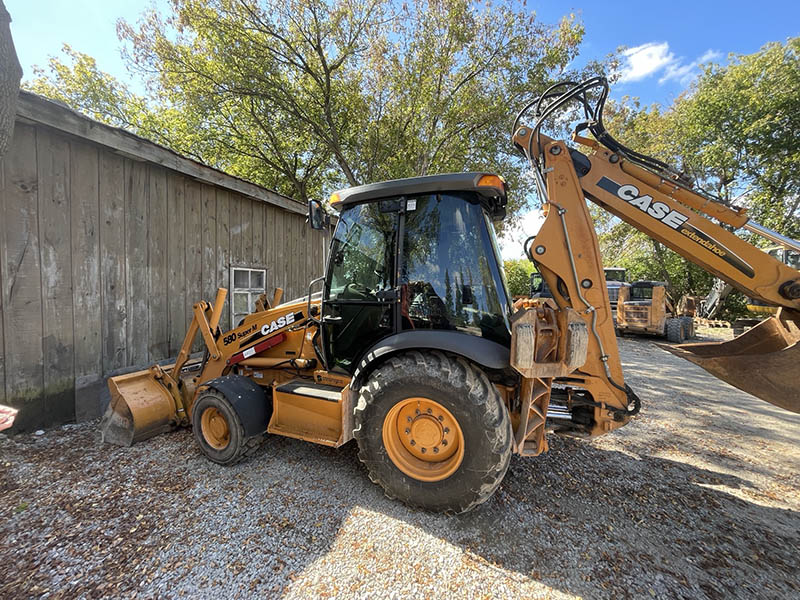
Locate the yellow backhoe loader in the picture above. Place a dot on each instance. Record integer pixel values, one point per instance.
(414, 348)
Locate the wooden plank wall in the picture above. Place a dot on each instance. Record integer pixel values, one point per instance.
(102, 258)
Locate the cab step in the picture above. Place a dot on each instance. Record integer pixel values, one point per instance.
(310, 411)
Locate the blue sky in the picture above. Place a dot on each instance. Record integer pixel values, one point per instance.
(665, 40)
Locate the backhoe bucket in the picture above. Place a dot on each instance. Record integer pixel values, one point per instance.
(140, 408)
(764, 361)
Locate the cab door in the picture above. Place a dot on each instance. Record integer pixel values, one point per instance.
(359, 300)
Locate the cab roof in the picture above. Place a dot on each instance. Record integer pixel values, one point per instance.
(645, 283)
(492, 191)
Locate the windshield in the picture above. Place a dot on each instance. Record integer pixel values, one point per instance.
(450, 277)
(641, 293)
(615, 274)
(362, 251)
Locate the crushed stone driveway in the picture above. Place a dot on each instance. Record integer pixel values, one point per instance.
(696, 498)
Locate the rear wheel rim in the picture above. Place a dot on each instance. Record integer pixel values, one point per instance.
(215, 428)
(423, 439)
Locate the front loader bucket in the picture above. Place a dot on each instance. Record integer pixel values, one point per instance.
(140, 408)
(764, 361)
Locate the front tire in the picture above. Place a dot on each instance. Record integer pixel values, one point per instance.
(219, 431)
(433, 431)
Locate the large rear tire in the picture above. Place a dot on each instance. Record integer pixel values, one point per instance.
(219, 431)
(433, 431)
(676, 332)
(688, 327)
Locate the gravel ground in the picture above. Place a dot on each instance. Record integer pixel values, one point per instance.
(697, 498)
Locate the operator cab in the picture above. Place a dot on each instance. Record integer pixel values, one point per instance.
(641, 292)
(414, 255)
(615, 279)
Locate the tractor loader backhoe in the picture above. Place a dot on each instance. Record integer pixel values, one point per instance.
(414, 348)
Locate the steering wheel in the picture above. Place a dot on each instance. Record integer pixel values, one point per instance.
(356, 289)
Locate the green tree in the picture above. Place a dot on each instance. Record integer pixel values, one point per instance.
(518, 276)
(80, 84)
(738, 131)
(308, 95)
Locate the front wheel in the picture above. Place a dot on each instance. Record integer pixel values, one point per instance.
(433, 431)
(688, 327)
(219, 431)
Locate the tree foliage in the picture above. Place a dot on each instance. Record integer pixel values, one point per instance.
(733, 133)
(81, 85)
(518, 276)
(739, 130)
(308, 95)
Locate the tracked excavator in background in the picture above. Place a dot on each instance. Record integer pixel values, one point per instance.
(414, 348)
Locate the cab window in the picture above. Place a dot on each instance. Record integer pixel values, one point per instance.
(641, 293)
(362, 252)
(449, 274)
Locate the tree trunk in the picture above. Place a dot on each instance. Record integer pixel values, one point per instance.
(662, 266)
(10, 74)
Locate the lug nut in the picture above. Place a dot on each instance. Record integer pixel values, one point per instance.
(423, 450)
(408, 419)
(413, 443)
(436, 450)
(444, 442)
(429, 411)
(408, 430)
(447, 430)
(417, 411)
(440, 417)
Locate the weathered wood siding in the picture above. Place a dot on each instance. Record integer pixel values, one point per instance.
(102, 257)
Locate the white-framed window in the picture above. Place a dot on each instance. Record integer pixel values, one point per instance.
(246, 286)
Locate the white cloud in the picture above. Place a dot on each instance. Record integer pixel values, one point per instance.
(642, 61)
(709, 55)
(649, 59)
(678, 72)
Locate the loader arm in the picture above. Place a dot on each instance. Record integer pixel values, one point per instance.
(654, 199)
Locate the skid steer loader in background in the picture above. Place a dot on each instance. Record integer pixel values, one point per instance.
(646, 307)
(414, 348)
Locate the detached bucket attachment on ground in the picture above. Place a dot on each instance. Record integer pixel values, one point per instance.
(140, 407)
(764, 361)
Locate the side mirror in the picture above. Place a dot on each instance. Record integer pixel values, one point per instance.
(317, 217)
